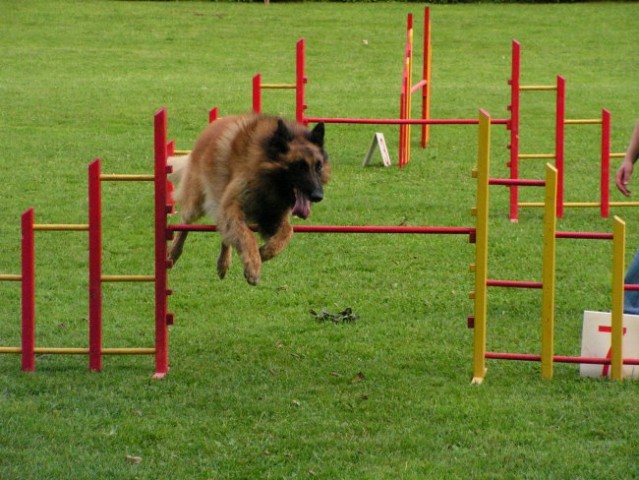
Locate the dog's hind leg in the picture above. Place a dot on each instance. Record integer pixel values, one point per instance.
(175, 250)
(224, 260)
(277, 242)
(189, 213)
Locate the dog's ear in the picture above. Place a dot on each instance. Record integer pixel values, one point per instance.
(278, 143)
(316, 135)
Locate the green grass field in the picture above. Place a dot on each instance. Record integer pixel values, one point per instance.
(258, 388)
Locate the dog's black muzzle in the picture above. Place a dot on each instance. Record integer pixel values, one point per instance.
(316, 195)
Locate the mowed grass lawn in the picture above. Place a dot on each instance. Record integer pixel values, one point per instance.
(258, 388)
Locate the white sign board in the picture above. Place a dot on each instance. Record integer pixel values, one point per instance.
(596, 340)
(378, 141)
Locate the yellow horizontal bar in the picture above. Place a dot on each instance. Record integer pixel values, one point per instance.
(181, 152)
(582, 204)
(278, 85)
(584, 121)
(128, 351)
(531, 204)
(617, 155)
(624, 204)
(127, 278)
(537, 87)
(10, 350)
(81, 351)
(127, 178)
(62, 227)
(10, 278)
(528, 156)
(61, 350)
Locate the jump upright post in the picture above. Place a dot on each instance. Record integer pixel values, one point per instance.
(405, 96)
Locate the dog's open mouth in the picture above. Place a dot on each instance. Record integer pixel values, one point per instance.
(302, 207)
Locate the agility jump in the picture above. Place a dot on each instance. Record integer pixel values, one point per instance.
(163, 318)
(163, 207)
(550, 234)
(558, 156)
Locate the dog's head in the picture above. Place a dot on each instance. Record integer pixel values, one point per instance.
(301, 155)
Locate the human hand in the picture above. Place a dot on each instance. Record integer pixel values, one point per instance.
(623, 177)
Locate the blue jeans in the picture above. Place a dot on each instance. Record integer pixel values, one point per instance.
(631, 298)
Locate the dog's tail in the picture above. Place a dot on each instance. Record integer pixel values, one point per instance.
(178, 164)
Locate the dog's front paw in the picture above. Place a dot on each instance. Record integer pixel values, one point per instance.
(252, 273)
(266, 253)
(251, 277)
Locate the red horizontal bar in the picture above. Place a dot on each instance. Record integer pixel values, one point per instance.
(382, 229)
(343, 229)
(513, 284)
(586, 235)
(526, 357)
(517, 182)
(408, 121)
(588, 360)
(631, 287)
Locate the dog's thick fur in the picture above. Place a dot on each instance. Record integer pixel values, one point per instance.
(250, 170)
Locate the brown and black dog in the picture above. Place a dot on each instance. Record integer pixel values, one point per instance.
(250, 170)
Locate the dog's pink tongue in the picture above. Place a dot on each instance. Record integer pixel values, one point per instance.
(302, 207)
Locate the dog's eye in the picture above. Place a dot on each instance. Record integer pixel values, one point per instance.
(318, 167)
